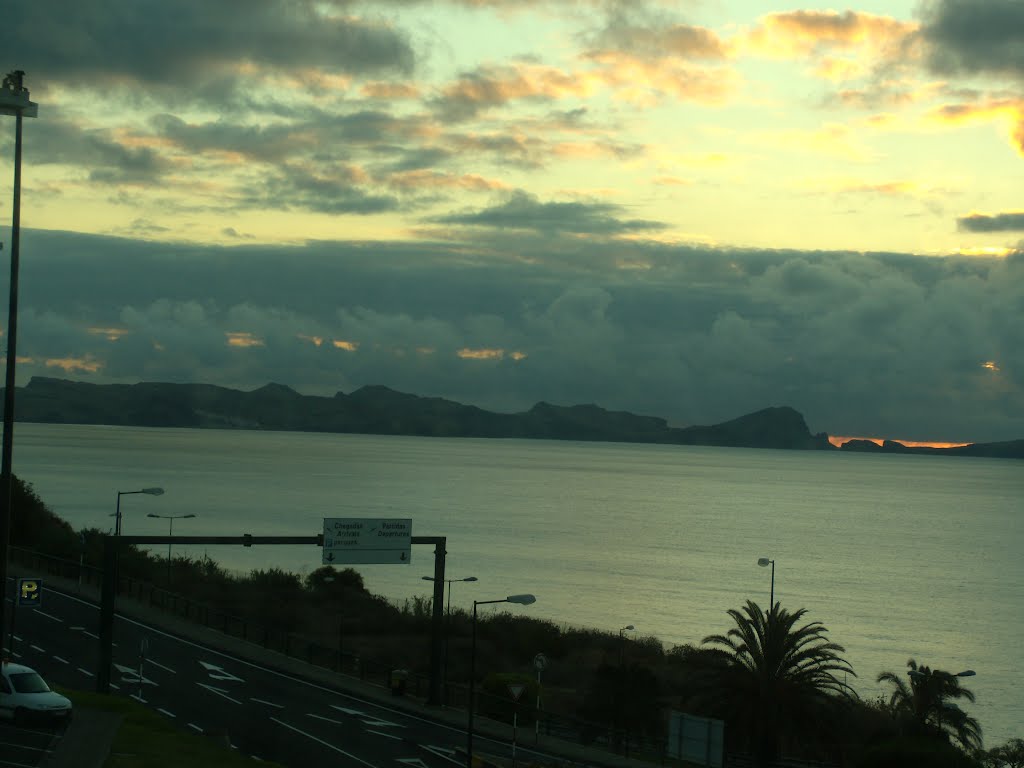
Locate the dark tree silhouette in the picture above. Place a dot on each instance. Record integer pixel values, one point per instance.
(773, 682)
(927, 704)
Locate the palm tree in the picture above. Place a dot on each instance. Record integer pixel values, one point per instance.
(927, 701)
(772, 682)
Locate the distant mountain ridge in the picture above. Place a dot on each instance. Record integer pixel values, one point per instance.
(380, 410)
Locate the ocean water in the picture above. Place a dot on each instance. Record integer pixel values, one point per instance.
(898, 556)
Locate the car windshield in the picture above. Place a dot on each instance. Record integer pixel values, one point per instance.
(29, 682)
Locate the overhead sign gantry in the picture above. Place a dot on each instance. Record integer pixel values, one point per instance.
(112, 545)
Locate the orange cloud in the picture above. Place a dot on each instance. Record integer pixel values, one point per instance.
(843, 45)
(424, 178)
(481, 354)
(395, 91)
(112, 334)
(794, 34)
(990, 365)
(317, 340)
(499, 85)
(243, 339)
(73, 364)
(644, 82)
(489, 354)
(348, 346)
(1009, 112)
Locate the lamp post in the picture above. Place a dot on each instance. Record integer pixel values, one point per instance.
(622, 641)
(617, 709)
(13, 101)
(764, 562)
(117, 511)
(448, 627)
(170, 532)
(518, 599)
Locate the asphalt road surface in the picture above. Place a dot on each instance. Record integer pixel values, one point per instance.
(259, 711)
(25, 747)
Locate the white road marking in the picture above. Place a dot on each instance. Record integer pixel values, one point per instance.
(115, 686)
(413, 761)
(442, 752)
(325, 719)
(86, 672)
(347, 711)
(218, 691)
(165, 712)
(62, 661)
(47, 615)
(36, 648)
(161, 666)
(268, 703)
(221, 673)
(137, 698)
(266, 670)
(129, 675)
(385, 723)
(195, 727)
(321, 741)
(385, 735)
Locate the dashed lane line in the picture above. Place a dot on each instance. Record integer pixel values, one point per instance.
(86, 672)
(268, 703)
(36, 648)
(195, 727)
(49, 616)
(324, 743)
(62, 661)
(161, 666)
(165, 712)
(385, 735)
(325, 719)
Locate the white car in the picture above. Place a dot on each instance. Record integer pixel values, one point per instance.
(26, 699)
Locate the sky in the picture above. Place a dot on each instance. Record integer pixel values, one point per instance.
(691, 209)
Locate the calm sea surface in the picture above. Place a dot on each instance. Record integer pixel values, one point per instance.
(899, 556)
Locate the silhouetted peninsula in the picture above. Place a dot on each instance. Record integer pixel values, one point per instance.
(383, 411)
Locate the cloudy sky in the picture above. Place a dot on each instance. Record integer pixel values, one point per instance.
(690, 209)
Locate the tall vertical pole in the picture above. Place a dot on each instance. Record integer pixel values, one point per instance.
(12, 356)
(107, 596)
(771, 598)
(472, 693)
(437, 624)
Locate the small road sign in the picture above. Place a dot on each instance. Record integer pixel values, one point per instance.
(515, 690)
(30, 593)
(356, 540)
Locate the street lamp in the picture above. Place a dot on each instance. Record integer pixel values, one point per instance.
(170, 532)
(764, 562)
(13, 101)
(117, 513)
(622, 641)
(518, 599)
(448, 625)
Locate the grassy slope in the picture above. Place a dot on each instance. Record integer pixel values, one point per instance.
(148, 739)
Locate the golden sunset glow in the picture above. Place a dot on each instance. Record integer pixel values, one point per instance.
(243, 339)
(348, 346)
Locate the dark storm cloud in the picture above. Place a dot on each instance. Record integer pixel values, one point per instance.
(189, 44)
(107, 160)
(334, 190)
(975, 36)
(1000, 222)
(525, 211)
(272, 143)
(862, 344)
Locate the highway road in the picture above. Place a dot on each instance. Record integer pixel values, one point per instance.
(259, 711)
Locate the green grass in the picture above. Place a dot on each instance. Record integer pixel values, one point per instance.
(149, 740)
